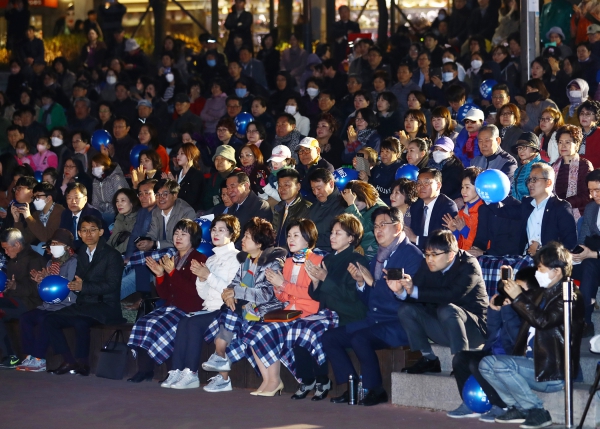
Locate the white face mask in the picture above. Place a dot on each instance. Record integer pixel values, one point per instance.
(111, 80)
(290, 109)
(97, 171)
(575, 94)
(439, 156)
(21, 151)
(42, 148)
(56, 141)
(170, 78)
(57, 251)
(39, 204)
(447, 60)
(312, 92)
(543, 279)
(476, 64)
(447, 76)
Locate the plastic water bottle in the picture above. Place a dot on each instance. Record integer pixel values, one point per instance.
(360, 391)
(351, 397)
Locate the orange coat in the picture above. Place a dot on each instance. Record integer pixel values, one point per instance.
(471, 220)
(297, 294)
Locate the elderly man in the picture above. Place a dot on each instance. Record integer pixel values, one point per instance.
(21, 293)
(97, 282)
(146, 116)
(233, 105)
(292, 205)
(77, 206)
(309, 153)
(184, 120)
(492, 155)
(328, 205)
(404, 86)
(450, 284)
(82, 119)
(246, 203)
(381, 328)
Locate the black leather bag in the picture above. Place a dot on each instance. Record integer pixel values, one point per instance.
(592, 242)
(112, 360)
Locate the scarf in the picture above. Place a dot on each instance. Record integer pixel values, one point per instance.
(292, 140)
(362, 137)
(248, 169)
(56, 263)
(469, 147)
(300, 256)
(573, 174)
(44, 217)
(247, 280)
(585, 136)
(181, 260)
(503, 131)
(383, 254)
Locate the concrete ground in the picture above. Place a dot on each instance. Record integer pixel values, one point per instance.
(29, 400)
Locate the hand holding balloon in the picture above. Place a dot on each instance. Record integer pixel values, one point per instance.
(11, 284)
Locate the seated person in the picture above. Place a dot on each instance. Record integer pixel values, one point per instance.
(381, 328)
(383, 175)
(449, 282)
(492, 155)
(20, 205)
(427, 214)
(540, 340)
(153, 335)
(309, 153)
(247, 298)
(20, 294)
(127, 204)
(292, 206)
(287, 134)
(34, 340)
(467, 146)
(527, 152)
(502, 329)
(329, 204)
(96, 284)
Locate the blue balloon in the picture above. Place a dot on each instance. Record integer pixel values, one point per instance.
(38, 176)
(53, 289)
(407, 171)
(134, 155)
(204, 225)
(485, 90)
(492, 186)
(463, 110)
(205, 248)
(241, 122)
(2, 281)
(100, 138)
(474, 397)
(344, 175)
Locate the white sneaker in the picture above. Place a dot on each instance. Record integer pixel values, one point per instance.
(174, 376)
(217, 384)
(216, 363)
(188, 380)
(37, 365)
(24, 366)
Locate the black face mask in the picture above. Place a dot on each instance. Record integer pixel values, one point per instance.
(532, 97)
(487, 76)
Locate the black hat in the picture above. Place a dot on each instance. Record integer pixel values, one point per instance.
(526, 140)
(181, 97)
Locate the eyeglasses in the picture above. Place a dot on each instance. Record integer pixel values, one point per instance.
(70, 166)
(222, 130)
(163, 194)
(145, 193)
(40, 196)
(383, 224)
(507, 114)
(534, 180)
(433, 255)
(20, 188)
(586, 114)
(303, 151)
(546, 119)
(424, 183)
(468, 121)
(251, 131)
(247, 155)
(360, 120)
(89, 231)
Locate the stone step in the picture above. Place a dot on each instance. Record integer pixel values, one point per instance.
(439, 392)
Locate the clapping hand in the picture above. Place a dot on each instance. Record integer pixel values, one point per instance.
(168, 263)
(361, 274)
(449, 222)
(317, 273)
(352, 135)
(38, 276)
(155, 267)
(200, 270)
(275, 278)
(11, 284)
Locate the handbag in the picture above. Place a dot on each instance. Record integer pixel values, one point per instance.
(112, 360)
(282, 315)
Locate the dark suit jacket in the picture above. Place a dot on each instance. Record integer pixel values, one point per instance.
(190, 188)
(251, 207)
(502, 241)
(558, 223)
(66, 222)
(99, 297)
(442, 206)
(589, 226)
(461, 285)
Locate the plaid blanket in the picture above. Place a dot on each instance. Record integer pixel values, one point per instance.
(155, 332)
(273, 341)
(139, 258)
(490, 268)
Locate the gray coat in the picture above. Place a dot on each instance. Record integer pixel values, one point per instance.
(181, 210)
(122, 231)
(589, 225)
(67, 270)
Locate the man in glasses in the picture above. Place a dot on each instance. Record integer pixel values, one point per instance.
(97, 283)
(428, 212)
(381, 328)
(446, 302)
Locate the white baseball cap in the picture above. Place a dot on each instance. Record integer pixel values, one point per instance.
(280, 153)
(595, 344)
(475, 115)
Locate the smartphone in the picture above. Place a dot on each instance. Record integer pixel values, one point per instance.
(20, 205)
(577, 250)
(506, 273)
(137, 240)
(360, 155)
(435, 71)
(395, 273)
(362, 164)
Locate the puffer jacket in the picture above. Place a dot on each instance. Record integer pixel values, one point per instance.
(519, 188)
(121, 232)
(223, 266)
(104, 189)
(549, 339)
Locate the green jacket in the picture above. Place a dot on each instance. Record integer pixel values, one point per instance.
(338, 291)
(57, 117)
(557, 13)
(368, 243)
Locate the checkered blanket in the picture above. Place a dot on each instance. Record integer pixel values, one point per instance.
(155, 332)
(490, 268)
(273, 341)
(139, 258)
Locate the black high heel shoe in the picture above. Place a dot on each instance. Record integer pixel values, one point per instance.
(141, 376)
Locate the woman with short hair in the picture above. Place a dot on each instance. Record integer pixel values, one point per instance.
(508, 120)
(404, 194)
(126, 204)
(362, 133)
(108, 179)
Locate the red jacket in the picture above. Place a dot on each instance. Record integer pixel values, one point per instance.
(179, 287)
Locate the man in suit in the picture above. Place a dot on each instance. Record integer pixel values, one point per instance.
(328, 205)
(381, 328)
(292, 205)
(428, 212)
(587, 271)
(77, 206)
(246, 203)
(97, 284)
(446, 301)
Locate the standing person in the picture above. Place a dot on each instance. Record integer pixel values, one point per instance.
(239, 23)
(339, 34)
(294, 59)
